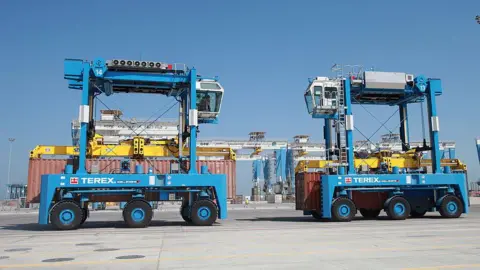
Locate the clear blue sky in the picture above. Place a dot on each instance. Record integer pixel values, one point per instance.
(262, 51)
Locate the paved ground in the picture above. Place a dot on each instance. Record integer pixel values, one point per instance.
(249, 239)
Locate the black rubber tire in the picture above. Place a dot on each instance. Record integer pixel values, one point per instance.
(316, 215)
(398, 203)
(85, 215)
(184, 214)
(370, 213)
(446, 202)
(343, 204)
(207, 205)
(418, 213)
(143, 206)
(73, 208)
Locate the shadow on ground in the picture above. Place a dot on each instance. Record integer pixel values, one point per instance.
(311, 219)
(91, 225)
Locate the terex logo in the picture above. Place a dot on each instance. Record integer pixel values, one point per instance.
(73, 180)
(362, 180)
(97, 180)
(348, 180)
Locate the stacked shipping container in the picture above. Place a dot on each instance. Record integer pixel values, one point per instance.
(38, 167)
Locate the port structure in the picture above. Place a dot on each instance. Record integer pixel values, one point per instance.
(477, 140)
(65, 197)
(402, 183)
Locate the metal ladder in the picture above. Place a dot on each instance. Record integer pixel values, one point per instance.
(340, 126)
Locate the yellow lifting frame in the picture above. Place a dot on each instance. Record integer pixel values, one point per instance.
(135, 148)
(408, 160)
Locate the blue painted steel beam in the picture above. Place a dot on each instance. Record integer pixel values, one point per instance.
(325, 116)
(110, 191)
(349, 135)
(117, 76)
(193, 126)
(432, 117)
(83, 123)
(103, 191)
(75, 71)
(153, 87)
(386, 103)
(327, 134)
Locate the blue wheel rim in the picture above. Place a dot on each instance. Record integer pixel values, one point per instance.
(399, 209)
(203, 213)
(67, 216)
(344, 210)
(452, 207)
(138, 214)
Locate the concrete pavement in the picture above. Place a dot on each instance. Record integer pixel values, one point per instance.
(249, 239)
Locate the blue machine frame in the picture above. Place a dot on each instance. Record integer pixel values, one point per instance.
(66, 196)
(409, 192)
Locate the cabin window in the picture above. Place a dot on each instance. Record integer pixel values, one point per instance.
(209, 101)
(210, 85)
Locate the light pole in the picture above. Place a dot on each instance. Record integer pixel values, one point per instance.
(11, 140)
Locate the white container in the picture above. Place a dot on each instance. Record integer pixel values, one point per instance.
(274, 198)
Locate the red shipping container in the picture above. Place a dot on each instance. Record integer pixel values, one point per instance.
(307, 191)
(369, 200)
(38, 167)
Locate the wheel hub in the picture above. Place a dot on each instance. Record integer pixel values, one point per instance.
(203, 213)
(66, 216)
(344, 210)
(138, 214)
(399, 209)
(452, 207)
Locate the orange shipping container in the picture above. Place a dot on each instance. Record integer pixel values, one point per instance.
(307, 191)
(38, 167)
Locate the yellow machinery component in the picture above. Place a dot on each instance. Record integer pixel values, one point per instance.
(408, 160)
(53, 150)
(256, 151)
(136, 148)
(138, 144)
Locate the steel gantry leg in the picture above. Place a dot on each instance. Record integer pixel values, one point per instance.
(327, 134)
(84, 118)
(193, 121)
(404, 132)
(434, 127)
(349, 126)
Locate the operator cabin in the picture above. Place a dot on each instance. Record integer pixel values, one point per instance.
(209, 99)
(321, 96)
